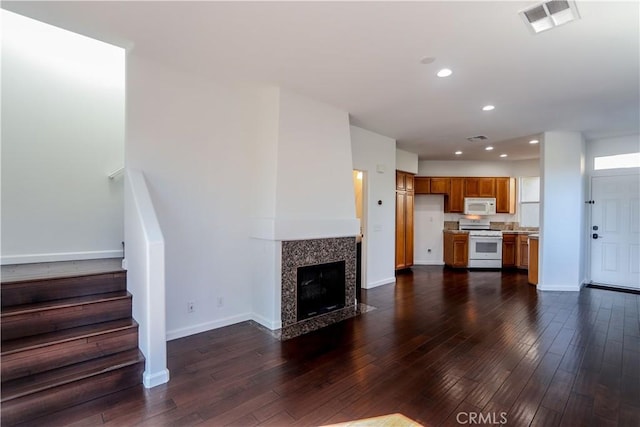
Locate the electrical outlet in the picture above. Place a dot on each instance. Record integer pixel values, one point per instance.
(220, 302)
(191, 307)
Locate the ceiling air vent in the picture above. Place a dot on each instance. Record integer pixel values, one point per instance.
(550, 14)
(477, 138)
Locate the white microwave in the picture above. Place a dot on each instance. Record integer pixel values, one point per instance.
(479, 205)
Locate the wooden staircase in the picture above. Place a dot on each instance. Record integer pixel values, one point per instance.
(65, 341)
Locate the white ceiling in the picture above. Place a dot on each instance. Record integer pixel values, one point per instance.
(365, 58)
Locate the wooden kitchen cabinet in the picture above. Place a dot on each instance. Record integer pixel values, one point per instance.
(506, 195)
(456, 249)
(440, 185)
(533, 260)
(422, 185)
(404, 180)
(522, 251)
(455, 189)
(404, 219)
(455, 200)
(509, 243)
(480, 187)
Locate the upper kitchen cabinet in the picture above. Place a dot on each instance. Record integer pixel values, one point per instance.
(422, 185)
(480, 187)
(455, 201)
(455, 189)
(440, 185)
(404, 181)
(506, 195)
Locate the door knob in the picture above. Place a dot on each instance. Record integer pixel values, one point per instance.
(595, 235)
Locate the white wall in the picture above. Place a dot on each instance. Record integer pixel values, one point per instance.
(62, 134)
(525, 168)
(406, 161)
(478, 168)
(314, 194)
(562, 212)
(371, 152)
(428, 225)
(189, 136)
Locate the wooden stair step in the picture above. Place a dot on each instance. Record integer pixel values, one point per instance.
(38, 353)
(48, 289)
(44, 317)
(41, 394)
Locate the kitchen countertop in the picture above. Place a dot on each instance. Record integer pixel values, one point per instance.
(534, 236)
(529, 232)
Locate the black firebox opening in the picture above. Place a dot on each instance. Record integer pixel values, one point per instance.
(321, 289)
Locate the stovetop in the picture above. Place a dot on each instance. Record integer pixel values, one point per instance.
(478, 227)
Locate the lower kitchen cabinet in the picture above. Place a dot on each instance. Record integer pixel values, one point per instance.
(533, 260)
(522, 251)
(456, 249)
(509, 244)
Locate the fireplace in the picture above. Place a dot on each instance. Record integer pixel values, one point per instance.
(321, 289)
(318, 283)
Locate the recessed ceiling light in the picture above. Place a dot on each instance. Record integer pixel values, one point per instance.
(533, 141)
(457, 153)
(488, 108)
(503, 155)
(489, 148)
(445, 72)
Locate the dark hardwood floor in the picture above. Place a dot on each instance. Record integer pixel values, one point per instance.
(443, 348)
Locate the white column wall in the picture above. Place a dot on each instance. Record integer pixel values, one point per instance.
(562, 212)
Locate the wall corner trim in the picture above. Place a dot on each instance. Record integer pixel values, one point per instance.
(156, 379)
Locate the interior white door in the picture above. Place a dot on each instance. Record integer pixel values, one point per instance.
(615, 231)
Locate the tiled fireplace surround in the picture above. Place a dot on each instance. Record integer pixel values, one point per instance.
(300, 253)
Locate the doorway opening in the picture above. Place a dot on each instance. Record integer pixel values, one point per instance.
(359, 188)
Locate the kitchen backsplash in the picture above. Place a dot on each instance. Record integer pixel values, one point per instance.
(495, 225)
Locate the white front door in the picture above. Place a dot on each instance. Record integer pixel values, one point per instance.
(615, 231)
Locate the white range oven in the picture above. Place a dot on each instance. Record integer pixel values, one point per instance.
(485, 245)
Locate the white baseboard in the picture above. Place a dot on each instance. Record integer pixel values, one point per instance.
(271, 325)
(207, 326)
(387, 281)
(427, 262)
(559, 287)
(60, 256)
(155, 379)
